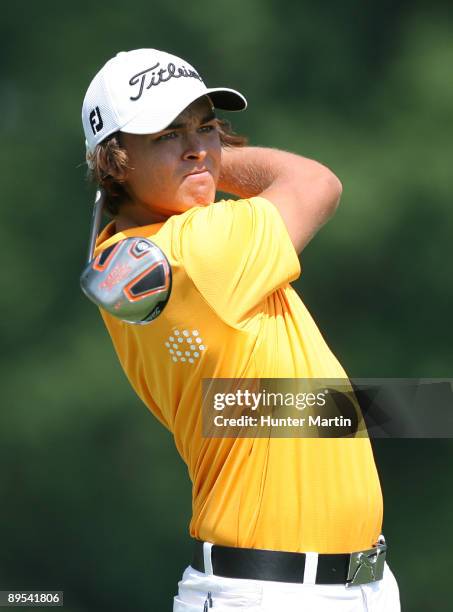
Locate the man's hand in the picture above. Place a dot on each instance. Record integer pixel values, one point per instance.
(305, 192)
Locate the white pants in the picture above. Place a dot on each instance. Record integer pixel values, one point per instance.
(267, 596)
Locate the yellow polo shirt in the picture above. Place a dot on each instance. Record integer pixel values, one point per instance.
(233, 314)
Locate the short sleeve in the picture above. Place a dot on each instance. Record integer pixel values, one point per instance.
(236, 253)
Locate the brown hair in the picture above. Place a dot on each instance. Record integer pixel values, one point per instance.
(108, 164)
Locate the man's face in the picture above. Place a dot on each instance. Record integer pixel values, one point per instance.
(161, 165)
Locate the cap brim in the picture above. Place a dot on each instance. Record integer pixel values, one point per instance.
(146, 122)
(227, 99)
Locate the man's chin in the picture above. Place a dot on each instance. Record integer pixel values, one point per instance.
(198, 199)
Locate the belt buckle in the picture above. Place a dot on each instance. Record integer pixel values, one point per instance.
(367, 565)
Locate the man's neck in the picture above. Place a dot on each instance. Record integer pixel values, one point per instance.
(139, 217)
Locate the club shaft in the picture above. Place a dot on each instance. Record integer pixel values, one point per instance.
(95, 222)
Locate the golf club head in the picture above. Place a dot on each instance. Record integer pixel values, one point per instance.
(130, 279)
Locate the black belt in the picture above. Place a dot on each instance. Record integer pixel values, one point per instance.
(254, 564)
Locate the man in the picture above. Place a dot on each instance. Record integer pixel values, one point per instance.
(156, 146)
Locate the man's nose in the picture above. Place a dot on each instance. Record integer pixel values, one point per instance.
(194, 148)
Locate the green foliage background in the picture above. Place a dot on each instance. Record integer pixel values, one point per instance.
(94, 497)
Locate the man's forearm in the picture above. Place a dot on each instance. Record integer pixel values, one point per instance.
(305, 192)
(248, 171)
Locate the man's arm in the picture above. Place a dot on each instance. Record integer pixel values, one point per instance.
(305, 192)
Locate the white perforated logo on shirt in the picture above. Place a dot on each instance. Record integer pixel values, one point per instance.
(185, 345)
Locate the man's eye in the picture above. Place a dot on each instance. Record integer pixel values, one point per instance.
(207, 128)
(167, 136)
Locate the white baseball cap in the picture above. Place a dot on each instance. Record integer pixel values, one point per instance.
(142, 92)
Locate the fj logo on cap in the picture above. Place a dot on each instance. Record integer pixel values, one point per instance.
(96, 120)
(156, 77)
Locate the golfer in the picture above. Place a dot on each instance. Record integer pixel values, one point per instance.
(278, 523)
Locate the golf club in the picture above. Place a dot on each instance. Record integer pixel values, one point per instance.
(131, 279)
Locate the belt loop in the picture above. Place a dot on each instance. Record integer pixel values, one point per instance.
(207, 558)
(311, 567)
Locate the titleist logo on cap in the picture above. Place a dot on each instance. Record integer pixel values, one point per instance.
(152, 77)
